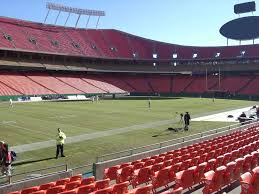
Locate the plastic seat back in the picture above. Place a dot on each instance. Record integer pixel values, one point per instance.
(255, 180)
(143, 175)
(47, 186)
(219, 161)
(156, 167)
(120, 188)
(175, 191)
(144, 190)
(184, 178)
(107, 190)
(39, 192)
(102, 184)
(88, 181)
(229, 173)
(62, 181)
(125, 164)
(173, 170)
(138, 165)
(56, 189)
(69, 192)
(85, 189)
(161, 178)
(30, 190)
(76, 178)
(247, 163)
(125, 174)
(111, 172)
(199, 172)
(149, 162)
(245, 181)
(72, 185)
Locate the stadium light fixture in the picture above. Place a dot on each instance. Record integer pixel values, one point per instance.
(62, 8)
(154, 64)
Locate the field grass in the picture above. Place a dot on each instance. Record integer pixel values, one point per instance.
(35, 122)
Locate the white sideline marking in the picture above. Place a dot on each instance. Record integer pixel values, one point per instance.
(63, 117)
(223, 117)
(7, 122)
(27, 129)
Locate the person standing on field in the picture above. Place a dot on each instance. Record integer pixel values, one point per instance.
(60, 143)
(187, 119)
(149, 103)
(11, 103)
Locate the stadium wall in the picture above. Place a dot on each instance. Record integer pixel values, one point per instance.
(30, 182)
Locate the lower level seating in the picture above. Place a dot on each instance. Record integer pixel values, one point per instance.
(47, 82)
(216, 163)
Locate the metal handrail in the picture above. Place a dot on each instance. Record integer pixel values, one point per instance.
(10, 177)
(82, 166)
(132, 151)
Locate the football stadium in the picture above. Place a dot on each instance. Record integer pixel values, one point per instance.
(92, 110)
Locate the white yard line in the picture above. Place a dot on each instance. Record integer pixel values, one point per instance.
(88, 136)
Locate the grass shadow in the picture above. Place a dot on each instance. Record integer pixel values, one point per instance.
(32, 161)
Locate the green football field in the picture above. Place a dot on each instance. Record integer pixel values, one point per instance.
(28, 123)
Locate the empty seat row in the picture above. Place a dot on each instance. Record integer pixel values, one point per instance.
(190, 155)
(250, 182)
(163, 169)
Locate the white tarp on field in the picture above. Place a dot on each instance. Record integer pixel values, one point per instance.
(224, 116)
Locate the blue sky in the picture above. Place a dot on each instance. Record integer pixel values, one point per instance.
(186, 22)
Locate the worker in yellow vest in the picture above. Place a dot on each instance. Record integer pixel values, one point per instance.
(60, 143)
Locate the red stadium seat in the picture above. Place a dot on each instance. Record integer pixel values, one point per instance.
(39, 192)
(141, 176)
(47, 186)
(121, 188)
(246, 183)
(214, 180)
(138, 165)
(76, 178)
(125, 174)
(175, 191)
(156, 167)
(229, 173)
(107, 190)
(56, 189)
(142, 190)
(88, 181)
(111, 172)
(101, 184)
(149, 162)
(62, 181)
(69, 192)
(198, 173)
(30, 190)
(161, 178)
(85, 189)
(184, 179)
(72, 185)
